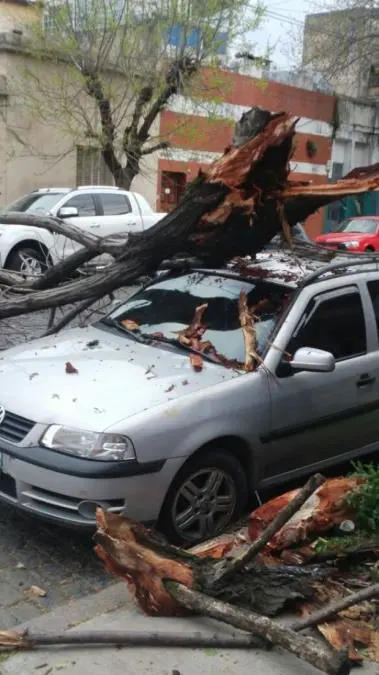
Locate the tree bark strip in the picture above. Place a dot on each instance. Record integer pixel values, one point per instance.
(226, 572)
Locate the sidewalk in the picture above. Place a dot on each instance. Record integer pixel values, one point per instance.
(113, 608)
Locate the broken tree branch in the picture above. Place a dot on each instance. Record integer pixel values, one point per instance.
(330, 610)
(228, 570)
(69, 316)
(14, 640)
(56, 226)
(61, 271)
(307, 648)
(246, 317)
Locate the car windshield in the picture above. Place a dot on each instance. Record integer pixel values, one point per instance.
(35, 202)
(168, 307)
(359, 226)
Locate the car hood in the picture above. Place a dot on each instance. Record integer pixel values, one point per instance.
(341, 237)
(117, 378)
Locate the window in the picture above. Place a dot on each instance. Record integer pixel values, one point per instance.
(335, 324)
(373, 289)
(373, 76)
(36, 202)
(337, 171)
(84, 203)
(115, 204)
(91, 168)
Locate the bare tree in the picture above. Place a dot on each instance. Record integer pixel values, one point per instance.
(341, 42)
(104, 70)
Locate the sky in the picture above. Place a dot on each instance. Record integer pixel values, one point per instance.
(282, 21)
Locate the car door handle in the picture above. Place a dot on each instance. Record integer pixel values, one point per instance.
(94, 225)
(365, 380)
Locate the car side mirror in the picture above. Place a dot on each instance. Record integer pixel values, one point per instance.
(68, 212)
(313, 360)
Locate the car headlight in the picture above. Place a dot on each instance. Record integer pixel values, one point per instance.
(88, 444)
(351, 244)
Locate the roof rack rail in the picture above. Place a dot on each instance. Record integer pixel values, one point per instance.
(98, 187)
(335, 266)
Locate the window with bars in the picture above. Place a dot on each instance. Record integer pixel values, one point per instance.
(91, 168)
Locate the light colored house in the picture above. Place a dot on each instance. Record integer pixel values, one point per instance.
(344, 45)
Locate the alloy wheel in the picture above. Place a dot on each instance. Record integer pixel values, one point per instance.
(204, 504)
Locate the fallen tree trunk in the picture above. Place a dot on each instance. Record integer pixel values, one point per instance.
(232, 209)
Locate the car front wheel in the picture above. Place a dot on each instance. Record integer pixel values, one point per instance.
(29, 261)
(207, 495)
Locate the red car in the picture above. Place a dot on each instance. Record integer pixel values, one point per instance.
(354, 234)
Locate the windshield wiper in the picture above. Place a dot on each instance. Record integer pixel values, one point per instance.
(150, 338)
(134, 334)
(176, 343)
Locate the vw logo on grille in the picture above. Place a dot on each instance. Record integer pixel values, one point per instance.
(2, 414)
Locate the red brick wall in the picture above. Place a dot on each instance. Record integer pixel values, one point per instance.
(202, 134)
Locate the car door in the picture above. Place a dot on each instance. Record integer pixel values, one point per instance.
(116, 215)
(321, 418)
(86, 220)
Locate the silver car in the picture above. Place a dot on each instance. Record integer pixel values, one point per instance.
(114, 414)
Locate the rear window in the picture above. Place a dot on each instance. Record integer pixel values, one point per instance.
(115, 204)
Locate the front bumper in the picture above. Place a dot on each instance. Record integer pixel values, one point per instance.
(52, 485)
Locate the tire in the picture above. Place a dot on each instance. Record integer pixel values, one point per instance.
(209, 475)
(30, 261)
(370, 249)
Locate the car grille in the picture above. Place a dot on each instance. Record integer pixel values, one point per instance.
(14, 428)
(335, 245)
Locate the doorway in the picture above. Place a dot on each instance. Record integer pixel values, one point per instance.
(173, 184)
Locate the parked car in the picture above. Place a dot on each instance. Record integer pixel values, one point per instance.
(99, 210)
(131, 426)
(354, 234)
(299, 235)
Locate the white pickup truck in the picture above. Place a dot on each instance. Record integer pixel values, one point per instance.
(97, 209)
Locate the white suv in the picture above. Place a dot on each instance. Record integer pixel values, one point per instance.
(98, 209)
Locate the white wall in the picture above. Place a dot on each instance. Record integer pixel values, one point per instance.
(356, 141)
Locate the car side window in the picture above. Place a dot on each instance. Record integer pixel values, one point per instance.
(84, 203)
(115, 204)
(373, 289)
(335, 324)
